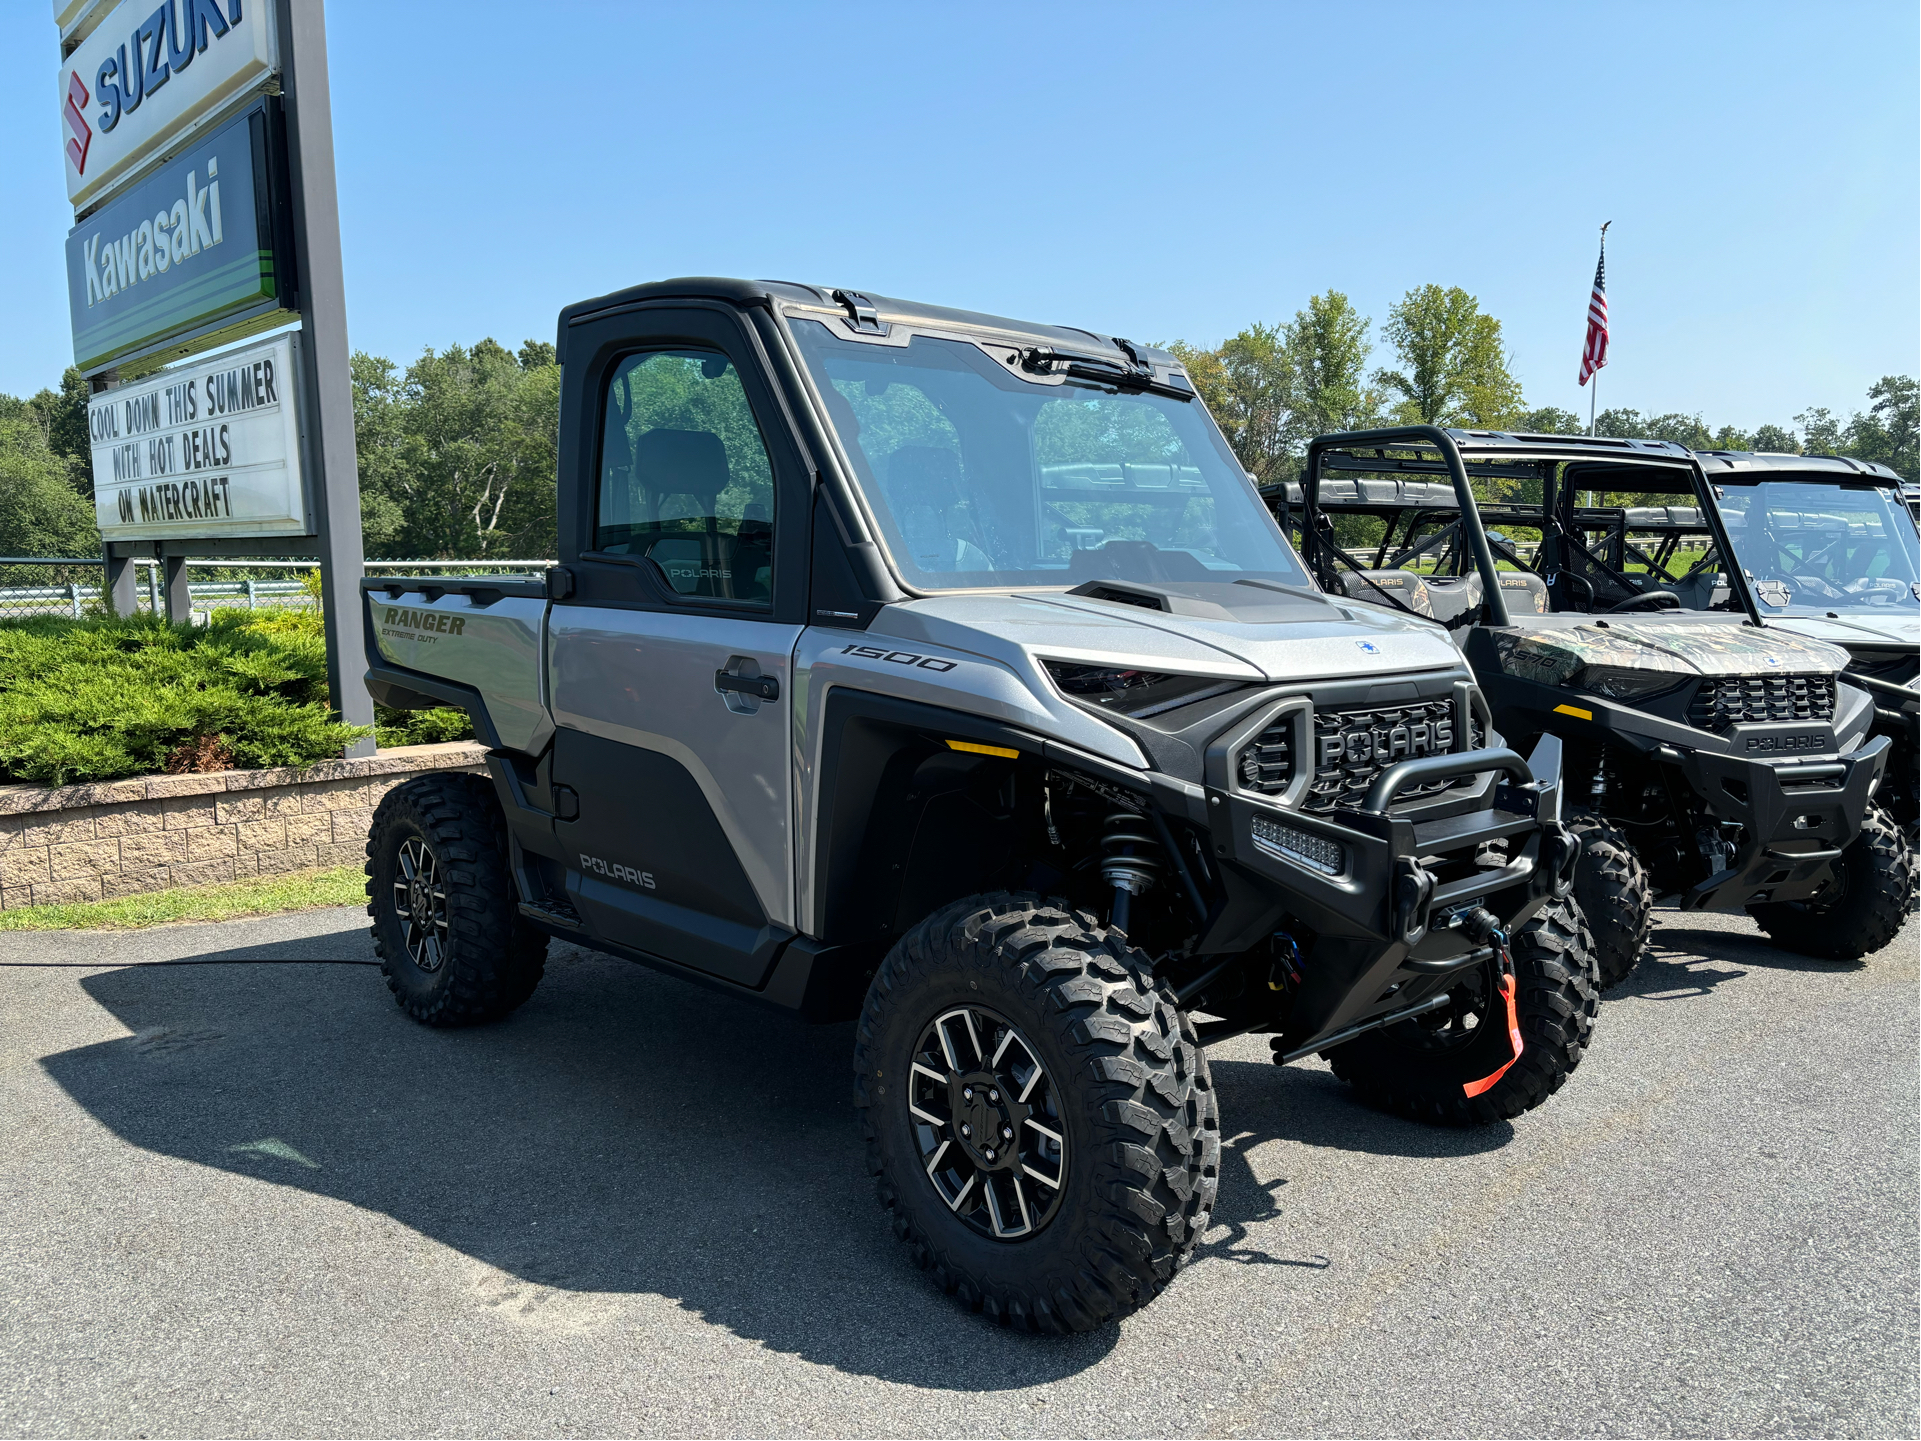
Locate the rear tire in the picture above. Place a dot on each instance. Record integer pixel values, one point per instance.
(1862, 911)
(1612, 886)
(1414, 1069)
(445, 923)
(1134, 1158)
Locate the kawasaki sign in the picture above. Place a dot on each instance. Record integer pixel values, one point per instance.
(147, 74)
(177, 254)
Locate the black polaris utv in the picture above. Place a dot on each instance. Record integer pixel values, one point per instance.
(1713, 764)
(945, 672)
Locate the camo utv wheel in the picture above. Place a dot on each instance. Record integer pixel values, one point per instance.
(445, 924)
(1039, 1116)
(1861, 912)
(1612, 887)
(1425, 1068)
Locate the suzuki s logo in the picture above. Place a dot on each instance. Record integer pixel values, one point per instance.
(1368, 647)
(82, 138)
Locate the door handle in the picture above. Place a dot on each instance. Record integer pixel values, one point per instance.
(760, 687)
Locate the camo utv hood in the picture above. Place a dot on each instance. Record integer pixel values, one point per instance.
(1678, 647)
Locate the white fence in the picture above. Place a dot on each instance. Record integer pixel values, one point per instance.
(42, 585)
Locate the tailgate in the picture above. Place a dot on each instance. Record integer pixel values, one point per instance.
(484, 633)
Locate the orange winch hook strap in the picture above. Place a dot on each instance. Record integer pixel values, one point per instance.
(1486, 1083)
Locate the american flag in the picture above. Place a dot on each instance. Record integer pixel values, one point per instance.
(1594, 354)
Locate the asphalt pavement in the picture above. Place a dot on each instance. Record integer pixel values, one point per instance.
(246, 1196)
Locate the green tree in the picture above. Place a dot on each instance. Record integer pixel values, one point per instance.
(1777, 438)
(1550, 420)
(1623, 424)
(41, 509)
(458, 454)
(1688, 430)
(1886, 434)
(1247, 384)
(1820, 431)
(1454, 370)
(1328, 343)
(62, 415)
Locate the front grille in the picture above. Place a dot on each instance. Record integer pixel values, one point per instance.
(1351, 748)
(1748, 699)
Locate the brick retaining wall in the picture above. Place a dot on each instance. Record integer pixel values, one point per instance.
(117, 838)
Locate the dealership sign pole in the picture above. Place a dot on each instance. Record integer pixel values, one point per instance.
(199, 158)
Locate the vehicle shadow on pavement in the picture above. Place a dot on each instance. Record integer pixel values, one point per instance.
(622, 1134)
(1683, 963)
(1262, 1102)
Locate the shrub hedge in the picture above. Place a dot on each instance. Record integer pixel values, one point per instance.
(103, 698)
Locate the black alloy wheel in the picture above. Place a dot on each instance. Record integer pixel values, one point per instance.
(420, 902)
(986, 1119)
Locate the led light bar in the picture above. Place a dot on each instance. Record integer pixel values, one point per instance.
(1303, 848)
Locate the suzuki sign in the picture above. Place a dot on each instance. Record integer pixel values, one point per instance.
(147, 74)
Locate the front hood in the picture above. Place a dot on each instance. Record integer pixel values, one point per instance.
(1897, 628)
(1297, 637)
(1693, 646)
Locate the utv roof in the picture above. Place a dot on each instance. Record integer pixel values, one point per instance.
(1519, 445)
(1770, 465)
(858, 311)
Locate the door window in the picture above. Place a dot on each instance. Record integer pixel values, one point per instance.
(684, 476)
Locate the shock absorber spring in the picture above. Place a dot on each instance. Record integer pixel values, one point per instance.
(1131, 861)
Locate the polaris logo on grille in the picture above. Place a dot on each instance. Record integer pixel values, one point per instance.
(1368, 647)
(1383, 744)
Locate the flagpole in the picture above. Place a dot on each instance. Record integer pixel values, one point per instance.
(1594, 380)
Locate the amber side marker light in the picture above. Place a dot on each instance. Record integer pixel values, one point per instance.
(1573, 710)
(976, 748)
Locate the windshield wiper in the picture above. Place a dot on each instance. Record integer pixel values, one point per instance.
(1136, 375)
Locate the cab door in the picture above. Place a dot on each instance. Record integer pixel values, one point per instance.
(671, 661)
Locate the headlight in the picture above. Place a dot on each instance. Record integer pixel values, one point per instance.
(1132, 692)
(1623, 683)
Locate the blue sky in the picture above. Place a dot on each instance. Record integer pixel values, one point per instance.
(1154, 171)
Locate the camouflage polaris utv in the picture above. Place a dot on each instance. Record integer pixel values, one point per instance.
(1830, 551)
(1713, 764)
(944, 673)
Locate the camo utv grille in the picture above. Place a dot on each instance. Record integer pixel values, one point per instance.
(1748, 699)
(1351, 748)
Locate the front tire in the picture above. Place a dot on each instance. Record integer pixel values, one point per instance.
(1091, 1151)
(1862, 911)
(1612, 887)
(1422, 1068)
(445, 923)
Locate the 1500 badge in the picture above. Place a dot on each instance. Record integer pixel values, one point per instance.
(899, 657)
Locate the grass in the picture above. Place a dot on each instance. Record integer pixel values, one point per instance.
(295, 891)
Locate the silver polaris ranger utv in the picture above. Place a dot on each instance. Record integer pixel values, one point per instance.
(944, 673)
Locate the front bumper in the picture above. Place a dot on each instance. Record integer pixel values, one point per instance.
(1381, 891)
(1798, 816)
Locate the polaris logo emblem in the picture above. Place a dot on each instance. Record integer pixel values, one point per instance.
(1772, 659)
(1368, 647)
(1384, 744)
(617, 872)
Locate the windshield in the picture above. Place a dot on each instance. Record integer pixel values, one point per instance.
(1815, 548)
(981, 479)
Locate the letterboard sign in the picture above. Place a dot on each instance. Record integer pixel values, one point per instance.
(203, 450)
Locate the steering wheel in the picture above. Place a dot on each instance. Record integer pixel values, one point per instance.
(1648, 600)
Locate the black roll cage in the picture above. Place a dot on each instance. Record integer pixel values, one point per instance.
(1502, 455)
